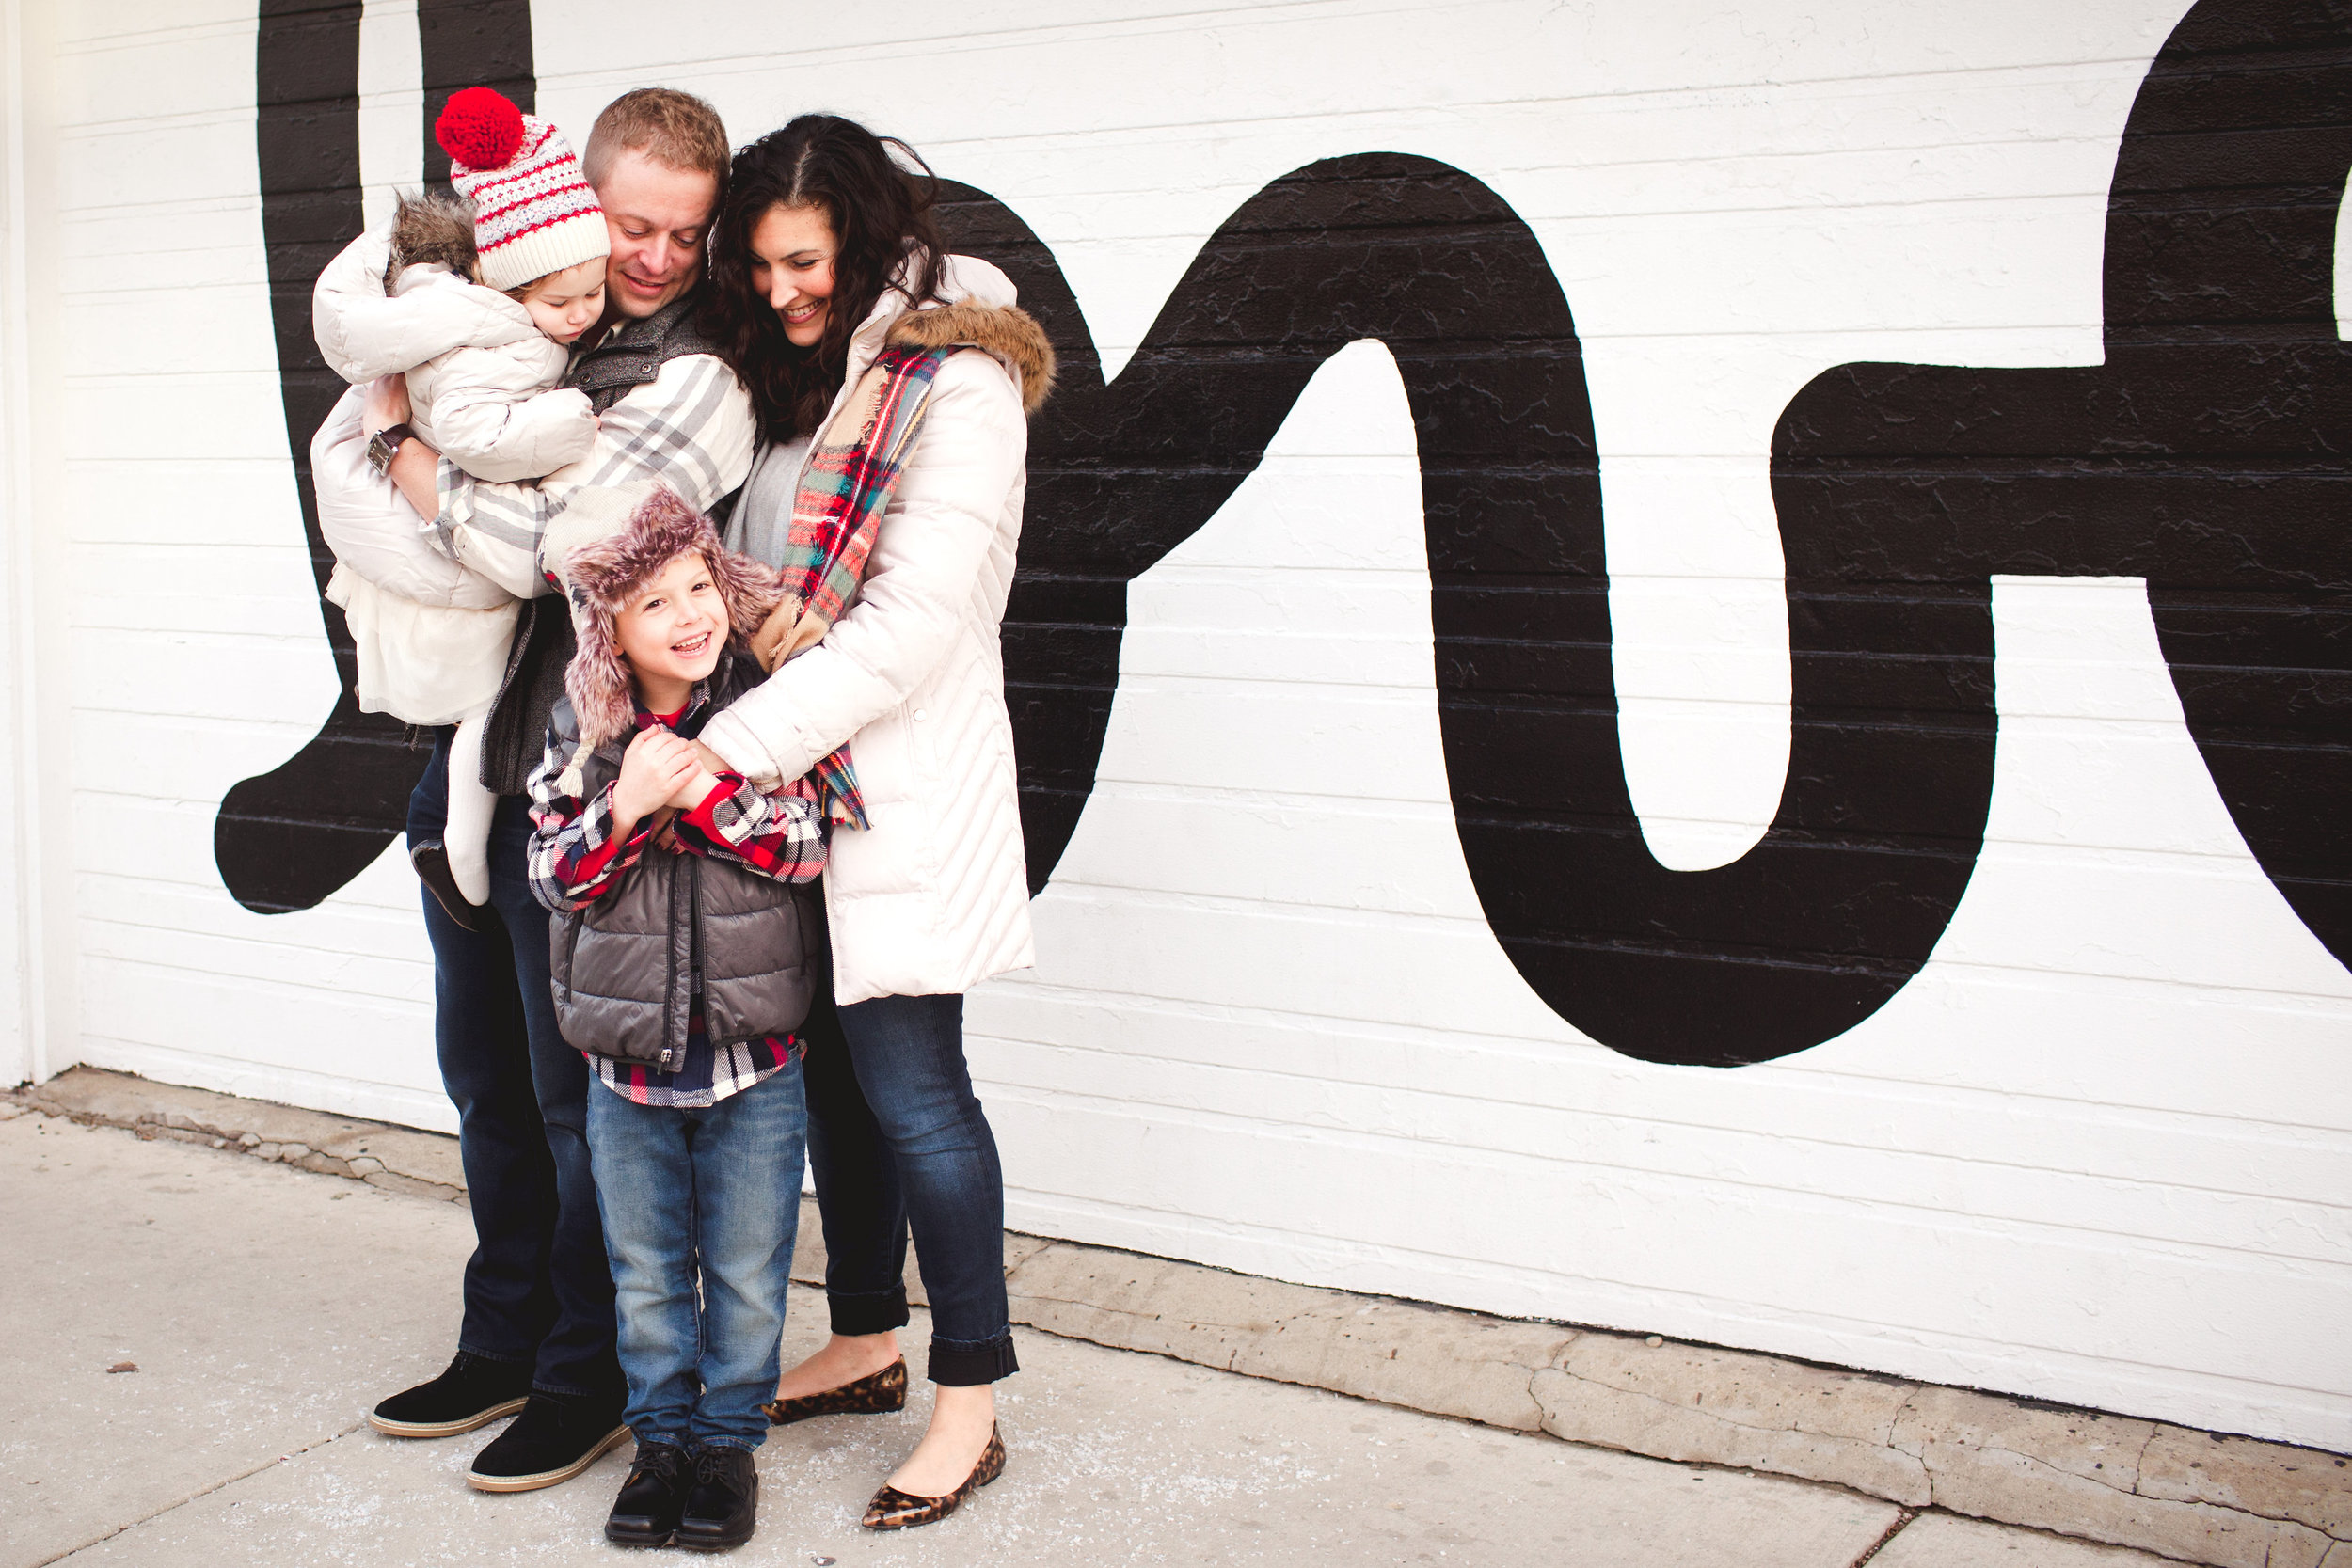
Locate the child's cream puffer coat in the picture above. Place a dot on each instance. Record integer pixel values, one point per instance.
(432, 636)
(482, 376)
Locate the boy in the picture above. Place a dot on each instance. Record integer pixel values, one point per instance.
(685, 955)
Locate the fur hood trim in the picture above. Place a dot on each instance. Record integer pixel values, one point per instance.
(1006, 331)
(601, 575)
(433, 231)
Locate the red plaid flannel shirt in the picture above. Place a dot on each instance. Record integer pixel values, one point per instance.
(575, 858)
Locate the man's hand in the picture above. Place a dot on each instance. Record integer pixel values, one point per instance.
(416, 470)
(656, 768)
(385, 404)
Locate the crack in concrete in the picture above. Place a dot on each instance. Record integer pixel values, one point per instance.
(2139, 1464)
(1665, 1404)
(200, 1491)
(1902, 1522)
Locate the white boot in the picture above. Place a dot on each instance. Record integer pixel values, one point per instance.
(467, 839)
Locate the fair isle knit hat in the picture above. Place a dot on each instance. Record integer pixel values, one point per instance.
(533, 211)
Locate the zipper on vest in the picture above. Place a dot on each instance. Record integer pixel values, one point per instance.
(673, 1056)
(694, 933)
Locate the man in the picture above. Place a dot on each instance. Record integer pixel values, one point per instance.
(538, 1330)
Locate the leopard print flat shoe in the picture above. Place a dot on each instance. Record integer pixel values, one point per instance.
(895, 1510)
(875, 1394)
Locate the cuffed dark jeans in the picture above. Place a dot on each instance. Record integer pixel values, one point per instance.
(538, 1289)
(895, 1137)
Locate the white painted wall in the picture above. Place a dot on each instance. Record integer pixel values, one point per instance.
(2099, 1151)
(17, 1036)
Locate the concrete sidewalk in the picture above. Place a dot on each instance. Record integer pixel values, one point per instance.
(265, 1308)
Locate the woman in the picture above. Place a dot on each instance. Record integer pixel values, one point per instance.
(825, 255)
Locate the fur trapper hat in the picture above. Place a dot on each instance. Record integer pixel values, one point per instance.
(612, 540)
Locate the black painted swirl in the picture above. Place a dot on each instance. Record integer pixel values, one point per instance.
(286, 839)
(2206, 455)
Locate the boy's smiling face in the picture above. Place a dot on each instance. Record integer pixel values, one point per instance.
(671, 631)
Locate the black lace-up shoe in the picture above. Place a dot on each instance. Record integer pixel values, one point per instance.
(555, 1438)
(723, 1510)
(647, 1511)
(472, 1393)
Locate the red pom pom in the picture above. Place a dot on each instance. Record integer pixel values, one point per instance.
(481, 129)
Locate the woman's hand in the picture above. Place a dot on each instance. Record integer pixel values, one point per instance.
(656, 767)
(697, 786)
(385, 404)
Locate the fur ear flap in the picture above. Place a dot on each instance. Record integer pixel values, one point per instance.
(603, 698)
(749, 590)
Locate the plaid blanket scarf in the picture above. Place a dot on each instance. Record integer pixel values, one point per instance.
(836, 514)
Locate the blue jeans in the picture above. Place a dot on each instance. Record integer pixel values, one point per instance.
(537, 1291)
(710, 1197)
(896, 1137)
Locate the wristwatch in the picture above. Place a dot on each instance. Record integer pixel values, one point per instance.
(383, 444)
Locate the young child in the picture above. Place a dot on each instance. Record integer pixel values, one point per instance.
(684, 956)
(475, 303)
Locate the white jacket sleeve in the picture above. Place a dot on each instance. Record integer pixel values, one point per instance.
(924, 568)
(350, 315)
(494, 434)
(364, 332)
(689, 427)
(374, 532)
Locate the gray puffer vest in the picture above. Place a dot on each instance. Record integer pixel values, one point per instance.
(628, 968)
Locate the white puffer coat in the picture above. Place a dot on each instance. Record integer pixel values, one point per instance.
(431, 636)
(934, 896)
(482, 376)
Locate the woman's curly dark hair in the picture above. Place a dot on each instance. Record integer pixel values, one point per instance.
(881, 216)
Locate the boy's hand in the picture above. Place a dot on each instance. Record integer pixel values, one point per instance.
(656, 767)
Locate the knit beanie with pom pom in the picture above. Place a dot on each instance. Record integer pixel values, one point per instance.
(533, 211)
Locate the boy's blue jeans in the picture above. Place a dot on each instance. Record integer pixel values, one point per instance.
(715, 1192)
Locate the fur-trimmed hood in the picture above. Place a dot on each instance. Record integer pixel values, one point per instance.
(601, 573)
(432, 231)
(1006, 331)
(975, 309)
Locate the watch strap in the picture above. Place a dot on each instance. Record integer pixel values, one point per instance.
(385, 442)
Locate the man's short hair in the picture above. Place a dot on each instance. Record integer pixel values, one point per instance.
(670, 127)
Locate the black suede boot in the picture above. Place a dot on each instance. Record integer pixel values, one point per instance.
(647, 1511)
(723, 1510)
(555, 1438)
(473, 1392)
